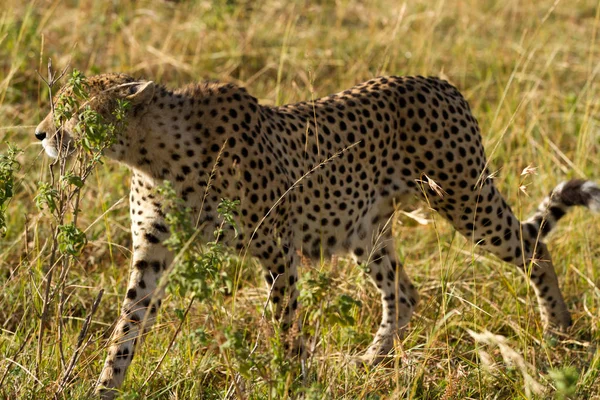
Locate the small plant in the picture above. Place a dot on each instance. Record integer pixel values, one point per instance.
(315, 295)
(59, 199)
(71, 240)
(565, 381)
(9, 166)
(47, 197)
(198, 268)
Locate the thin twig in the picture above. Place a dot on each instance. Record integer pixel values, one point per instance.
(15, 356)
(50, 82)
(26, 370)
(79, 347)
(292, 187)
(170, 343)
(45, 306)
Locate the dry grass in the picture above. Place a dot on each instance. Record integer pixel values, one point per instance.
(530, 71)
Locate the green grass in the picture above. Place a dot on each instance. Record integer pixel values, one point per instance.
(530, 72)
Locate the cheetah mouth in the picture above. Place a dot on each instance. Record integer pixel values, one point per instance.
(58, 145)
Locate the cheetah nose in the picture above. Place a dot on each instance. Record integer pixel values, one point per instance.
(40, 135)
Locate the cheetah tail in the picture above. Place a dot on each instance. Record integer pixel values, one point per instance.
(576, 192)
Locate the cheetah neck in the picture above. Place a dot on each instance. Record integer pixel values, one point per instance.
(184, 135)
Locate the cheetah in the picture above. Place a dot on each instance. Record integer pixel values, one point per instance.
(382, 140)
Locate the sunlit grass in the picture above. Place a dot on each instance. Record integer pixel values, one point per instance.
(530, 73)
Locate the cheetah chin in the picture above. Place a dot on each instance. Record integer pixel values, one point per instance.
(50, 148)
(313, 179)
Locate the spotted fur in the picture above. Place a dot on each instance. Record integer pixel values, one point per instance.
(384, 140)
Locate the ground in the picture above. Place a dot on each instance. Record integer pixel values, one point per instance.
(533, 91)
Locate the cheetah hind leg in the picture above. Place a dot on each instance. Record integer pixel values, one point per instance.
(399, 299)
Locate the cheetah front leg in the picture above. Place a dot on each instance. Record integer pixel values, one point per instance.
(150, 259)
(398, 296)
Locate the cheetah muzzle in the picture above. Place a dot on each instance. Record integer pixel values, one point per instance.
(390, 134)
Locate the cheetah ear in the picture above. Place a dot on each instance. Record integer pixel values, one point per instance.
(141, 94)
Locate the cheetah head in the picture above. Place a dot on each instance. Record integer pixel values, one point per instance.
(103, 93)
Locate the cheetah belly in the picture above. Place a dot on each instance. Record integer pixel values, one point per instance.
(346, 223)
